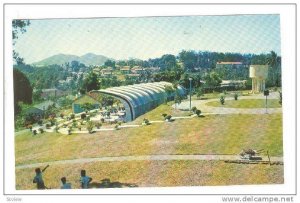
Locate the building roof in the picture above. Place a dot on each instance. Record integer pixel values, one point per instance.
(230, 63)
(44, 105)
(140, 98)
(125, 68)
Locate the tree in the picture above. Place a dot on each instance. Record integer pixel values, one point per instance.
(110, 63)
(17, 27)
(168, 62)
(22, 90)
(274, 61)
(90, 126)
(199, 92)
(91, 82)
(87, 106)
(213, 80)
(169, 90)
(189, 60)
(177, 98)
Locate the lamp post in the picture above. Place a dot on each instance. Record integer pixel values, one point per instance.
(190, 79)
(266, 93)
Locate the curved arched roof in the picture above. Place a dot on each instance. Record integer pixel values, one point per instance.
(141, 98)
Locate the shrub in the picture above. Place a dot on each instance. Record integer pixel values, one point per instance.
(280, 98)
(98, 125)
(34, 132)
(102, 120)
(83, 116)
(146, 121)
(117, 127)
(69, 130)
(168, 117)
(235, 96)
(90, 126)
(164, 115)
(119, 123)
(74, 125)
(72, 116)
(222, 100)
(41, 130)
(56, 129)
(40, 122)
(29, 127)
(62, 115)
(48, 125)
(198, 112)
(194, 109)
(52, 121)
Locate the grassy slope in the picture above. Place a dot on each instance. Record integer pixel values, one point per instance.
(223, 134)
(158, 173)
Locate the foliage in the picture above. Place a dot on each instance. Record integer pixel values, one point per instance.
(198, 112)
(34, 132)
(91, 82)
(213, 80)
(18, 26)
(90, 125)
(83, 116)
(164, 115)
(98, 125)
(168, 117)
(72, 116)
(22, 90)
(199, 92)
(194, 109)
(222, 100)
(189, 59)
(235, 96)
(178, 98)
(146, 121)
(110, 63)
(41, 130)
(87, 106)
(280, 98)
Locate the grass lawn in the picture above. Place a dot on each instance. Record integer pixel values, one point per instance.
(156, 114)
(156, 173)
(214, 134)
(246, 103)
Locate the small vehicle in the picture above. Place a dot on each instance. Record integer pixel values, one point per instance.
(251, 154)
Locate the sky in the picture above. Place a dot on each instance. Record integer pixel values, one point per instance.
(149, 37)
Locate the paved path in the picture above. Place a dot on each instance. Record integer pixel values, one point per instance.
(206, 109)
(143, 158)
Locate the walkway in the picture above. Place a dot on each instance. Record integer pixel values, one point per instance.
(200, 157)
(202, 104)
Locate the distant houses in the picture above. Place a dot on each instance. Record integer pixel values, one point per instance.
(107, 72)
(230, 65)
(125, 70)
(39, 109)
(53, 92)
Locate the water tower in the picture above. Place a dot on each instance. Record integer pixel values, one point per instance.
(259, 74)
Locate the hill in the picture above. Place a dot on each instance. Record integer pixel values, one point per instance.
(59, 59)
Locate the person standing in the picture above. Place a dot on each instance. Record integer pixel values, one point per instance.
(84, 179)
(38, 179)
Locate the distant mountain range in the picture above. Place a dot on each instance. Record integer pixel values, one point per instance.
(59, 59)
